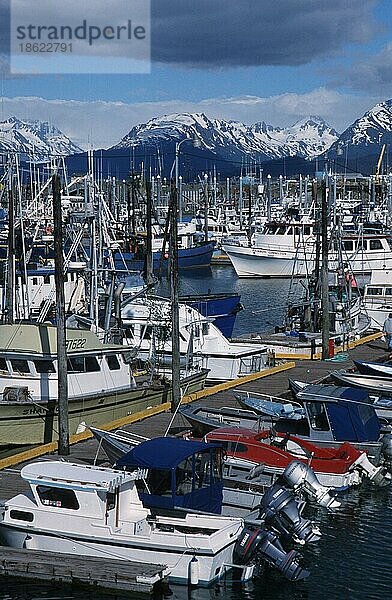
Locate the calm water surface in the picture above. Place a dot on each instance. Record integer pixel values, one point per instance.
(353, 558)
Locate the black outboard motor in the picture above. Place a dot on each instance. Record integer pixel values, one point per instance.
(300, 477)
(280, 510)
(266, 545)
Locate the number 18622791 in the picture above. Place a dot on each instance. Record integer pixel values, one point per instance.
(37, 47)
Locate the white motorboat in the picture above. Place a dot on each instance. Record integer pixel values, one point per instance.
(94, 511)
(288, 249)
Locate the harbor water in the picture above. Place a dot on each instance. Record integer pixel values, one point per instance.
(353, 558)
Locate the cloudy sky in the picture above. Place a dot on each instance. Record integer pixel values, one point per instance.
(247, 60)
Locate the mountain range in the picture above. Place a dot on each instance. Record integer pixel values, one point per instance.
(223, 144)
(34, 139)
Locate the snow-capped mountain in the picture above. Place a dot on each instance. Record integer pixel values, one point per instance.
(34, 139)
(367, 134)
(233, 140)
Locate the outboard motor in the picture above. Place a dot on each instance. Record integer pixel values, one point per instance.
(266, 544)
(386, 450)
(301, 477)
(376, 475)
(280, 510)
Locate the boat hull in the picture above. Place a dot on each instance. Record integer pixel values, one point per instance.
(36, 423)
(188, 258)
(176, 557)
(285, 263)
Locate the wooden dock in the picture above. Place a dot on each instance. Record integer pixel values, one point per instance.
(118, 576)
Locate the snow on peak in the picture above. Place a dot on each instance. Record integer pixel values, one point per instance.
(307, 138)
(37, 140)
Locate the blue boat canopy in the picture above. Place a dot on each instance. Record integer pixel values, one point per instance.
(162, 453)
(181, 473)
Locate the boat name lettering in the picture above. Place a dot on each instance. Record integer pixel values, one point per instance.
(75, 344)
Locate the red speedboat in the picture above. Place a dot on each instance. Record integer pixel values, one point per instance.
(340, 467)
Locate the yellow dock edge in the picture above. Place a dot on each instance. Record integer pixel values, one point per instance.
(318, 355)
(32, 453)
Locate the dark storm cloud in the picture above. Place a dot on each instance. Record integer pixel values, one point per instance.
(373, 74)
(213, 33)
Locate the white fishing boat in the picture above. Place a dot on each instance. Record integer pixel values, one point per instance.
(147, 323)
(377, 297)
(286, 249)
(103, 382)
(93, 511)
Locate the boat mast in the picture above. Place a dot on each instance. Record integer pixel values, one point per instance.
(322, 201)
(174, 296)
(63, 424)
(149, 278)
(10, 290)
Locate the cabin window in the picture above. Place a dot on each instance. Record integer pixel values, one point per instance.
(3, 364)
(110, 501)
(375, 245)
(158, 482)
(205, 328)
(281, 231)
(58, 497)
(307, 230)
(46, 278)
(21, 515)
(317, 416)
(388, 292)
(83, 364)
(232, 447)
(290, 231)
(184, 476)
(348, 245)
(44, 366)
(362, 245)
(375, 291)
(113, 363)
(366, 412)
(20, 365)
(35, 281)
(202, 470)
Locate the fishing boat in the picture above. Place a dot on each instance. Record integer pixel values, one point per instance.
(148, 321)
(340, 467)
(192, 251)
(287, 248)
(95, 511)
(219, 309)
(104, 383)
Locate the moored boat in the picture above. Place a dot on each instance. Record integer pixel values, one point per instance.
(103, 383)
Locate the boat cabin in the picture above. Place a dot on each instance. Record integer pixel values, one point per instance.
(181, 473)
(334, 413)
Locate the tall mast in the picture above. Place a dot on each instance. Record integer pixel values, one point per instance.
(322, 197)
(173, 208)
(63, 443)
(10, 289)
